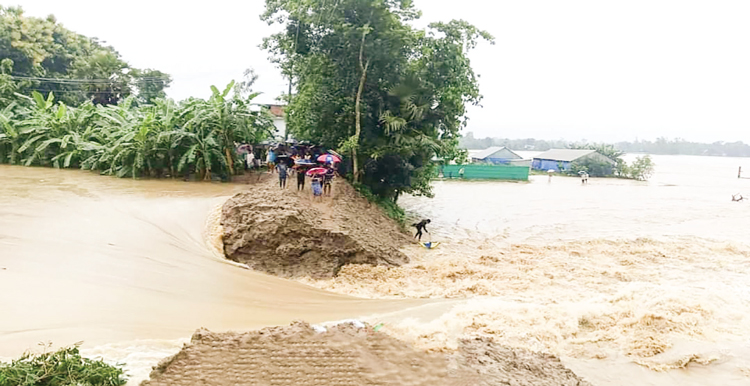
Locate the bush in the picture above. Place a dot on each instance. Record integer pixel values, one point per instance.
(60, 368)
(642, 168)
(591, 166)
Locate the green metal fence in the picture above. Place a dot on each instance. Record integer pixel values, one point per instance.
(486, 172)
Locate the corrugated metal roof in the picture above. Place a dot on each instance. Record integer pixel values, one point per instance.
(482, 154)
(565, 155)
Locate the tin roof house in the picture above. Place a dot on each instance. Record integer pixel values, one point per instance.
(494, 155)
(561, 159)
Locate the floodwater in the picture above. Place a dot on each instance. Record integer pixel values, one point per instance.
(629, 282)
(130, 268)
(688, 195)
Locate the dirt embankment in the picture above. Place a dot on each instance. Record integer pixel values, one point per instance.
(346, 355)
(288, 234)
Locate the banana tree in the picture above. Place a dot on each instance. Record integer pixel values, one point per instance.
(225, 120)
(72, 138)
(203, 152)
(215, 116)
(10, 135)
(130, 148)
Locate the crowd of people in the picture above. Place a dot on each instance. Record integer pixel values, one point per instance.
(290, 160)
(306, 162)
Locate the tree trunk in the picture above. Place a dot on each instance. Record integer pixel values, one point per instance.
(357, 108)
(358, 124)
(230, 162)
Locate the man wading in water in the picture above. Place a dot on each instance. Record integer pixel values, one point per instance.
(422, 225)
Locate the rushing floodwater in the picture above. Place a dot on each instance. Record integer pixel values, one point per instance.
(131, 268)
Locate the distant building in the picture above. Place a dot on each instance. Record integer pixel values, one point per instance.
(493, 155)
(560, 159)
(277, 111)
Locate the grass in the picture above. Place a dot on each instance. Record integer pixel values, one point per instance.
(63, 367)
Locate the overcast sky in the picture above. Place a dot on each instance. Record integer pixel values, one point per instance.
(598, 70)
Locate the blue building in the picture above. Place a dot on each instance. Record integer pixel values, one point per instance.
(560, 159)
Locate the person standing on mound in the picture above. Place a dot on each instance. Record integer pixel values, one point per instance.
(317, 186)
(281, 166)
(300, 179)
(422, 225)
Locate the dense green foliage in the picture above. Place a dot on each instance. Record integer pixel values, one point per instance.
(152, 140)
(98, 113)
(60, 368)
(660, 146)
(592, 167)
(642, 168)
(375, 88)
(41, 55)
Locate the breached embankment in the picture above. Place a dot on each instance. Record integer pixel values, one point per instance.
(344, 354)
(287, 234)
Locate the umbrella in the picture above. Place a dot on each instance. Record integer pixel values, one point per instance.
(328, 158)
(336, 154)
(303, 162)
(316, 171)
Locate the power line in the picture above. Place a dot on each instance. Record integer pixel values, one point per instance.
(86, 81)
(77, 91)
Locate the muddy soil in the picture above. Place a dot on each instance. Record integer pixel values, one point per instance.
(347, 355)
(287, 233)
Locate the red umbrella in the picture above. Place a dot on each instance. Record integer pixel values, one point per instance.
(329, 158)
(316, 171)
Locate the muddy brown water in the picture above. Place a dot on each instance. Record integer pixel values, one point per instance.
(103, 260)
(131, 268)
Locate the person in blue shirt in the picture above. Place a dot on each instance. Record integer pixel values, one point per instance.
(282, 168)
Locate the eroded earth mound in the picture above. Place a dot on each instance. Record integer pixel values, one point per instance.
(288, 234)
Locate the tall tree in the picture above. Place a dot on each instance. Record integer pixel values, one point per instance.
(44, 56)
(150, 84)
(358, 67)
